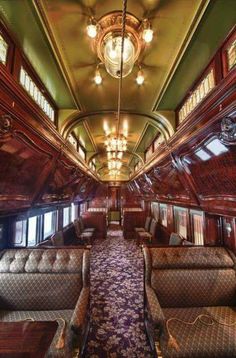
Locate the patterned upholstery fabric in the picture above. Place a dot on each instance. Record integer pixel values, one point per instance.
(37, 291)
(46, 284)
(194, 257)
(187, 282)
(186, 288)
(200, 340)
(154, 307)
(41, 261)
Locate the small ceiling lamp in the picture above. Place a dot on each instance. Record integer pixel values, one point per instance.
(147, 34)
(114, 144)
(92, 28)
(114, 164)
(107, 35)
(140, 77)
(97, 77)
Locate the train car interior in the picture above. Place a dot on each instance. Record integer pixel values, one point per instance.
(118, 178)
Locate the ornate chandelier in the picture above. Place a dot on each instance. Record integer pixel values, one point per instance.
(106, 34)
(114, 163)
(116, 144)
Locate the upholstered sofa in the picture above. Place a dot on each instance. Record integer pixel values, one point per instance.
(48, 284)
(190, 301)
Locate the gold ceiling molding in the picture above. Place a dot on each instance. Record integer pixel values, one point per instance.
(42, 15)
(157, 120)
(195, 22)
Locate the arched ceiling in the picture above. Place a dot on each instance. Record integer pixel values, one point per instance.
(52, 33)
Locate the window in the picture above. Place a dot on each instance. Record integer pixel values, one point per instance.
(92, 165)
(32, 231)
(83, 208)
(20, 229)
(231, 55)
(158, 141)
(198, 94)
(66, 216)
(82, 152)
(3, 50)
(163, 214)
(149, 152)
(197, 226)
(73, 140)
(155, 210)
(37, 95)
(74, 212)
(180, 215)
(49, 223)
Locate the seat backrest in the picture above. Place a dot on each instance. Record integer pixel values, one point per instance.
(81, 223)
(153, 227)
(42, 279)
(147, 223)
(57, 239)
(77, 227)
(191, 276)
(175, 239)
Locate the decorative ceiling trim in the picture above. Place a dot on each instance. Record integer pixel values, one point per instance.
(196, 20)
(157, 120)
(43, 19)
(127, 152)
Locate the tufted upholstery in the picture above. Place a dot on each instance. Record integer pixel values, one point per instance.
(183, 282)
(49, 283)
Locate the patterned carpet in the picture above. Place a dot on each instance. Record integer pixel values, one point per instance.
(117, 328)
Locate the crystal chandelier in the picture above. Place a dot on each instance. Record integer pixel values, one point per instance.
(116, 144)
(106, 34)
(114, 163)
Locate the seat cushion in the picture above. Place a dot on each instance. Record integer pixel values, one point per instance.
(200, 340)
(53, 352)
(144, 234)
(89, 229)
(139, 229)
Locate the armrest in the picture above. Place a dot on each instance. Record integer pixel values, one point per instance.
(78, 319)
(154, 308)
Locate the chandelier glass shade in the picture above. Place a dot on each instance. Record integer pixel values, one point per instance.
(112, 55)
(114, 164)
(116, 144)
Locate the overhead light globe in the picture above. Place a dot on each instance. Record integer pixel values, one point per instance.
(92, 31)
(97, 77)
(147, 35)
(112, 56)
(140, 78)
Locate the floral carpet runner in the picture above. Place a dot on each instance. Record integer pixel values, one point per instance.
(117, 323)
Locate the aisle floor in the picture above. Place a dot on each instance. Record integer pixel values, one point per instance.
(117, 322)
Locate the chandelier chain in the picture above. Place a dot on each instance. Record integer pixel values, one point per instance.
(121, 64)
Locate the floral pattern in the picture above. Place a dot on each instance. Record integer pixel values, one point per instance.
(117, 319)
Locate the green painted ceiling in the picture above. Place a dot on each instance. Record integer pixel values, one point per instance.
(24, 24)
(218, 20)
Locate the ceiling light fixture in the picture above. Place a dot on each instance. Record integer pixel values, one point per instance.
(97, 77)
(108, 39)
(92, 28)
(114, 164)
(116, 144)
(147, 34)
(140, 77)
